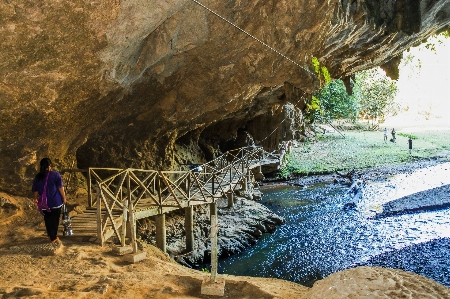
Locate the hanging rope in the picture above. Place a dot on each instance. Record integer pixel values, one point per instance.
(259, 142)
(255, 38)
(262, 43)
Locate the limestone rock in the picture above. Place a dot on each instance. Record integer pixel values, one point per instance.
(127, 83)
(372, 282)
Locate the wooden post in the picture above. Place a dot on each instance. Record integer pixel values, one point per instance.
(212, 210)
(214, 246)
(124, 222)
(212, 185)
(132, 226)
(242, 160)
(125, 215)
(99, 216)
(244, 183)
(158, 186)
(189, 184)
(230, 196)
(214, 285)
(89, 188)
(131, 215)
(189, 227)
(154, 182)
(161, 232)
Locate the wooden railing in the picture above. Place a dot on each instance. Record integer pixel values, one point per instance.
(137, 193)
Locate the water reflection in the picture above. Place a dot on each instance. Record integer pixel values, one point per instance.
(319, 238)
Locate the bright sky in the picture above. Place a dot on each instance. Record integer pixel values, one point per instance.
(425, 91)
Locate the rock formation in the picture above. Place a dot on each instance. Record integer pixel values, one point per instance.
(143, 83)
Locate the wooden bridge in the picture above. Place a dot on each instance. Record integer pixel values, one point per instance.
(119, 197)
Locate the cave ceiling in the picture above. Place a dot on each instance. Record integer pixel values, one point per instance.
(120, 83)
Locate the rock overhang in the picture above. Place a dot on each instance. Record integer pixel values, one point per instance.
(108, 83)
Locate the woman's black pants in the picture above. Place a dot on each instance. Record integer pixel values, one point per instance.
(51, 220)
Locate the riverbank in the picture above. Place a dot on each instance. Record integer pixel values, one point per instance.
(78, 268)
(355, 149)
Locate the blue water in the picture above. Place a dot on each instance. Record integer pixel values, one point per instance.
(319, 238)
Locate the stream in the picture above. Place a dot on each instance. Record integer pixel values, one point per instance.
(400, 222)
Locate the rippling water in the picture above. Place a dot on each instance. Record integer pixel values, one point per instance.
(320, 238)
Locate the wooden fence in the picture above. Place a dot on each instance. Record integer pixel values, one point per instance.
(121, 196)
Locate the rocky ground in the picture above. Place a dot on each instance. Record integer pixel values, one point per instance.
(31, 267)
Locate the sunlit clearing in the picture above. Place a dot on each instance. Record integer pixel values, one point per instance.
(424, 85)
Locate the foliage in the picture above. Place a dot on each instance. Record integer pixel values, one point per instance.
(436, 39)
(316, 64)
(321, 71)
(205, 270)
(375, 94)
(372, 99)
(286, 170)
(314, 107)
(335, 103)
(413, 137)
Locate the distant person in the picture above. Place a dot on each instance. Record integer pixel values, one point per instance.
(385, 134)
(393, 135)
(410, 144)
(196, 168)
(50, 184)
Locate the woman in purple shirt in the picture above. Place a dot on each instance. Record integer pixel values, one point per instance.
(56, 196)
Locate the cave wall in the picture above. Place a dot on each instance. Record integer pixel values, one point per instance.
(131, 83)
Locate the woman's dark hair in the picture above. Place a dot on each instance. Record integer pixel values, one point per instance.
(44, 164)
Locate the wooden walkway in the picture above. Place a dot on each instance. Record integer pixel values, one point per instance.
(119, 197)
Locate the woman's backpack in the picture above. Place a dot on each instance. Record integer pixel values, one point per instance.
(42, 201)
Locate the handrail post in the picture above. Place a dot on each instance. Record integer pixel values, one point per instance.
(158, 186)
(99, 217)
(242, 161)
(132, 226)
(124, 222)
(189, 184)
(212, 185)
(89, 189)
(131, 214)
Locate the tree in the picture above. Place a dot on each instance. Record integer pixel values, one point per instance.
(375, 94)
(372, 98)
(335, 103)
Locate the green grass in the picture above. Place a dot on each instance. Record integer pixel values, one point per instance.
(363, 149)
(413, 137)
